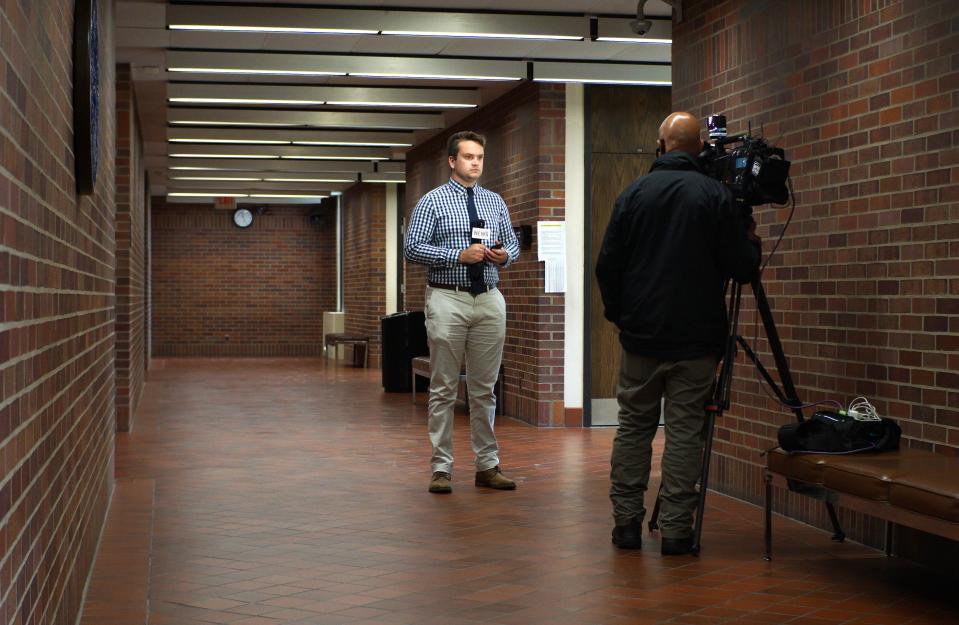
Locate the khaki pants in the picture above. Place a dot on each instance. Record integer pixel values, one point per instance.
(686, 386)
(459, 324)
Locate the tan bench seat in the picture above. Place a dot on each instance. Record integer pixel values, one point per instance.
(906, 487)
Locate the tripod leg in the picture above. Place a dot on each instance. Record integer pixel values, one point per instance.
(769, 517)
(839, 535)
(703, 481)
(654, 517)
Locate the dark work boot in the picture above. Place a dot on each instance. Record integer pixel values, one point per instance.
(677, 546)
(494, 478)
(629, 536)
(440, 483)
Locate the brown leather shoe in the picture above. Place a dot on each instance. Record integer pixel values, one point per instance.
(494, 478)
(440, 483)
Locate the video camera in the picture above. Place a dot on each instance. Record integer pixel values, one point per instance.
(754, 171)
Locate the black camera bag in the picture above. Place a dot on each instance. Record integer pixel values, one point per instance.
(835, 433)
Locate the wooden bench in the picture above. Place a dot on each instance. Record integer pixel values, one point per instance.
(360, 344)
(421, 368)
(908, 487)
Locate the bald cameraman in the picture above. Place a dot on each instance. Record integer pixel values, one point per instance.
(674, 238)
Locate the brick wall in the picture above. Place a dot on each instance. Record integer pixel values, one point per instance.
(865, 287)
(525, 132)
(131, 254)
(57, 414)
(364, 263)
(218, 290)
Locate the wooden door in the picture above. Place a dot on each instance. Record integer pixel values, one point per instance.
(623, 130)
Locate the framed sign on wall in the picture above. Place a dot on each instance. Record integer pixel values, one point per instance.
(86, 95)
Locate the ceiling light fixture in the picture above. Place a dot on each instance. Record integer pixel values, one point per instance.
(430, 76)
(408, 104)
(604, 81)
(328, 180)
(358, 144)
(298, 157)
(192, 194)
(187, 122)
(463, 35)
(264, 156)
(274, 29)
(268, 72)
(634, 40)
(288, 195)
(215, 179)
(242, 141)
(198, 168)
(244, 101)
(382, 181)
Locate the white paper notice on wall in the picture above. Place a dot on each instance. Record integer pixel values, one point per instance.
(551, 248)
(551, 239)
(556, 274)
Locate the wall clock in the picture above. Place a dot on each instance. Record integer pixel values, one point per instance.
(243, 218)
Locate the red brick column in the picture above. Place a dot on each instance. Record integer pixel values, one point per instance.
(364, 263)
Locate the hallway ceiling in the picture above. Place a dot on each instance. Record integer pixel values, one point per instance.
(264, 101)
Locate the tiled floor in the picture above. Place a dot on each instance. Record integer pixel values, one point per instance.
(287, 493)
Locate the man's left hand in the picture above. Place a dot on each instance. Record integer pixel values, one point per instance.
(498, 256)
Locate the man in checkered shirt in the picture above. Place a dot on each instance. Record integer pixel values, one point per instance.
(462, 232)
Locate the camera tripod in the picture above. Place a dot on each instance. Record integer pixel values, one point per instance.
(721, 389)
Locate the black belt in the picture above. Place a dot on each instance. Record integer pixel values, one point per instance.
(455, 287)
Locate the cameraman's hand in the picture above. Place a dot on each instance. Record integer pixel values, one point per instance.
(473, 254)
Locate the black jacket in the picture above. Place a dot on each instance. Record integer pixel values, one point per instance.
(674, 237)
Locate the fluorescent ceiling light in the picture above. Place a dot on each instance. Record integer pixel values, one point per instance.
(604, 81)
(266, 63)
(309, 180)
(193, 194)
(602, 73)
(358, 144)
(269, 72)
(333, 158)
(411, 104)
(246, 141)
(336, 193)
(384, 181)
(287, 195)
(634, 40)
(197, 168)
(369, 21)
(273, 29)
(185, 122)
(215, 179)
(264, 156)
(431, 76)
(464, 35)
(244, 101)
(620, 30)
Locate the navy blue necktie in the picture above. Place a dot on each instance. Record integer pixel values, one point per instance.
(477, 282)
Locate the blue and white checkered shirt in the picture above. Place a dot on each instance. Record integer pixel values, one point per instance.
(439, 230)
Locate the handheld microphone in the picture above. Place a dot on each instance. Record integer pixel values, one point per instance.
(479, 223)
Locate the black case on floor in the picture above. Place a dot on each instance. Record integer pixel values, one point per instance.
(403, 337)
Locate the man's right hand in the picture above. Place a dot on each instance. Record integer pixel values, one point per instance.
(473, 254)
